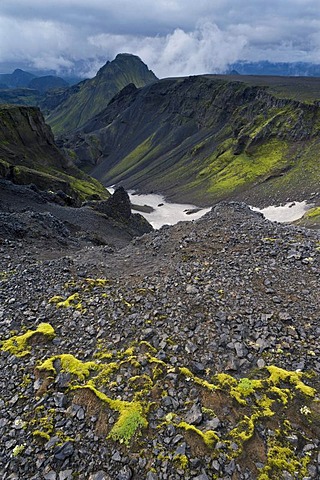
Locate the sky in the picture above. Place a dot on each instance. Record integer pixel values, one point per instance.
(173, 37)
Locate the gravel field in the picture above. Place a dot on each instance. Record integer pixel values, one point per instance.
(191, 353)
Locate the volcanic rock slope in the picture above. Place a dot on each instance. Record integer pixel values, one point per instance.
(193, 353)
(206, 138)
(44, 226)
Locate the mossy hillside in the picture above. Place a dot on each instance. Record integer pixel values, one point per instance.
(51, 179)
(299, 179)
(228, 172)
(139, 156)
(313, 212)
(28, 155)
(205, 150)
(311, 219)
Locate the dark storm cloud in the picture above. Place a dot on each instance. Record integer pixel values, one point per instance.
(175, 37)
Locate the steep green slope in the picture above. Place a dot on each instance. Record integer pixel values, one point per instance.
(28, 155)
(93, 95)
(203, 139)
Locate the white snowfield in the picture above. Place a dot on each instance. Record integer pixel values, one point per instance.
(166, 213)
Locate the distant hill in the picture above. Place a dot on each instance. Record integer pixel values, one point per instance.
(43, 84)
(24, 88)
(91, 96)
(19, 78)
(20, 96)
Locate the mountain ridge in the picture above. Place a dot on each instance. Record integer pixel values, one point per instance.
(205, 138)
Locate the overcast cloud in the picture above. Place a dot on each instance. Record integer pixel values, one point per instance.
(174, 37)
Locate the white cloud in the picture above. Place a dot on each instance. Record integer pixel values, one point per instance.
(174, 37)
(205, 50)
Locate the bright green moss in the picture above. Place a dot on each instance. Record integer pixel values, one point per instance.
(244, 430)
(264, 405)
(41, 435)
(209, 437)
(75, 300)
(129, 421)
(149, 347)
(280, 459)
(19, 345)
(181, 461)
(208, 411)
(294, 378)
(18, 449)
(104, 371)
(313, 212)
(69, 364)
(131, 416)
(97, 282)
(229, 172)
(224, 380)
(190, 376)
(72, 301)
(244, 388)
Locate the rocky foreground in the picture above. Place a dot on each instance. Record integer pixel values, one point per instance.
(192, 353)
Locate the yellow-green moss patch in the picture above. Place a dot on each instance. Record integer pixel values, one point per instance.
(19, 345)
(131, 416)
(69, 364)
(294, 378)
(209, 437)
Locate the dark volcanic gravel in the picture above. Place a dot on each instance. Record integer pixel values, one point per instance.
(230, 293)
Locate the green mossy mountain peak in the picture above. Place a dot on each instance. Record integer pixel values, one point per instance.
(91, 96)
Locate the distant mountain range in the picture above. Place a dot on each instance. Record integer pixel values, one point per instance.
(293, 69)
(21, 79)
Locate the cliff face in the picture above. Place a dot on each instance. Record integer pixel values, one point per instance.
(91, 96)
(203, 139)
(28, 154)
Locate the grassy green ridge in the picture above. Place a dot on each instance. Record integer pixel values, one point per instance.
(203, 139)
(93, 95)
